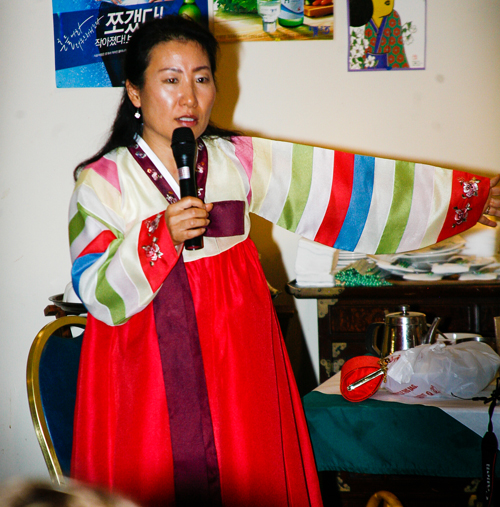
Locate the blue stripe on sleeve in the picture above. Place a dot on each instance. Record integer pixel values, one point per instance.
(79, 266)
(359, 205)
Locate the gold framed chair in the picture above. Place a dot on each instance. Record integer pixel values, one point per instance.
(51, 376)
(384, 499)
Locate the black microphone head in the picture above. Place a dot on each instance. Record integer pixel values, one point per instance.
(183, 135)
(184, 146)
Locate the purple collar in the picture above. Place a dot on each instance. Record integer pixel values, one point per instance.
(227, 218)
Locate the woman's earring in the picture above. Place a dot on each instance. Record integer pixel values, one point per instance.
(137, 113)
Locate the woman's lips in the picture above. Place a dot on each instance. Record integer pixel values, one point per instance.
(187, 121)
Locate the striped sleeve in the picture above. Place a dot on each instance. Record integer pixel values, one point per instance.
(117, 266)
(358, 203)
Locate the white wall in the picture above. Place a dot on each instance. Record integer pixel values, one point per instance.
(300, 91)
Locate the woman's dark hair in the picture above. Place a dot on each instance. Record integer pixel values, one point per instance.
(137, 58)
(35, 493)
(360, 12)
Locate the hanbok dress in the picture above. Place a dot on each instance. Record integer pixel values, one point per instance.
(185, 391)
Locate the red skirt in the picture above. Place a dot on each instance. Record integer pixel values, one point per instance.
(122, 437)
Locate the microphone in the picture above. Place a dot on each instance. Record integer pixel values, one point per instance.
(184, 149)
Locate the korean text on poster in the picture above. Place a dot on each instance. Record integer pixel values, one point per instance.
(90, 36)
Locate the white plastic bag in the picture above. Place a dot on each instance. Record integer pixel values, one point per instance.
(462, 370)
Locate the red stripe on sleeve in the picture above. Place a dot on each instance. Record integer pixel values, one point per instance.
(465, 208)
(340, 197)
(99, 243)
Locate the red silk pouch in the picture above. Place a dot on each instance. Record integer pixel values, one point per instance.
(355, 369)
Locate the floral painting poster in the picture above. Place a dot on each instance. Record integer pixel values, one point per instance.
(272, 20)
(386, 34)
(90, 36)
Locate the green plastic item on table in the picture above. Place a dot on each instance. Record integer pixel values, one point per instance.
(352, 278)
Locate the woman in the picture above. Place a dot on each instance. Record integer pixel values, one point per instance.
(185, 393)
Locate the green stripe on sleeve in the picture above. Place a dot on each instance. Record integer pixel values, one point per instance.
(400, 208)
(302, 160)
(105, 294)
(76, 226)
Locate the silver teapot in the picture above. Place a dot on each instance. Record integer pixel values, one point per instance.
(401, 331)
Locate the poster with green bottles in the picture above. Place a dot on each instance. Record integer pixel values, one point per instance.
(272, 20)
(90, 36)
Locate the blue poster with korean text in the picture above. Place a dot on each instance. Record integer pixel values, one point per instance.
(90, 36)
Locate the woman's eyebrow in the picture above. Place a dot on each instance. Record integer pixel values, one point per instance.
(175, 69)
(172, 69)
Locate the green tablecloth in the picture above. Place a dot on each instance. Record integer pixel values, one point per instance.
(377, 437)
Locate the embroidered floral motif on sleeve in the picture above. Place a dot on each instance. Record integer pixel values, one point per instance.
(469, 188)
(153, 252)
(152, 225)
(461, 214)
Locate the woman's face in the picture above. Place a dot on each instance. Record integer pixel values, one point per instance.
(178, 91)
(382, 8)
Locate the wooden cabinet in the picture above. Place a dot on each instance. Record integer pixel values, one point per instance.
(345, 313)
